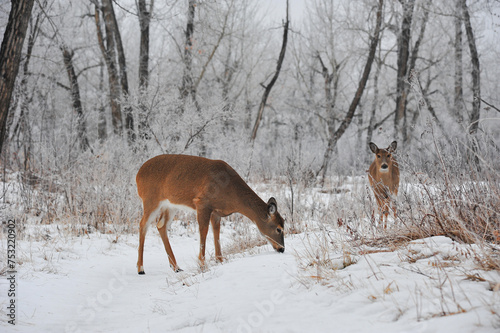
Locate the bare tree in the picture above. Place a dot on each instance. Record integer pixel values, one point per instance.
(476, 78)
(375, 101)
(267, 89)
(330, 92)
(112, 26)
(476, 83)
(222, 34)
(416, 47)
(10, 56)
(102, 133)
(332, 141)
(403, 69)
(108, 49)
(144, 14)
(75, 97)
(459, 94)
(25, 98)
(414, 55)
(230, 67)
(238, 59)
(187, 87)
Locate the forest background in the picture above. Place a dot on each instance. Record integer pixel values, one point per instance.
(104, 85)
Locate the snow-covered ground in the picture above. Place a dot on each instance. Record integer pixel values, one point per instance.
(90, 284)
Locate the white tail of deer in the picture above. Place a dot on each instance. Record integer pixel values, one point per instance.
(167, 183)
(384, 179)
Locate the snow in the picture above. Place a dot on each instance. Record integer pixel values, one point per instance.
(90, 284)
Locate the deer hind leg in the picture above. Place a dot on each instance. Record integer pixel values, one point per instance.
(143, 228)
(203, 223)
(165, 217)
(215, 220)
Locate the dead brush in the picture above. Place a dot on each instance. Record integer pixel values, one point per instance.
(464, 212)
(317, 261)
(459, 201)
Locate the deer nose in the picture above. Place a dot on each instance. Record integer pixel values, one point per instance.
(281, 250)
(384, 166)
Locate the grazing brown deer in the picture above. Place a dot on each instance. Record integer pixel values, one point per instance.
(211, 188)
(384, 179)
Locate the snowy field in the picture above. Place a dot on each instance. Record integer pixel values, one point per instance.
(90, 284)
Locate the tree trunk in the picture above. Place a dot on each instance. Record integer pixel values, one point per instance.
(75, 97)
(332, 142)
(458, 105)
(420, 38)
(330, 98)
(109, 54)
(412, 72)
(112, 25)
(268, 88)
(23, 125)
(226, 81)
(187, 87)
(248, 109)
(144, 21)
(403, 70)
(102, 133)
(476, 84)
(10, 57)
(371, 124)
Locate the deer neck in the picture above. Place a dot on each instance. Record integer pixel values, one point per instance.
(251, 206)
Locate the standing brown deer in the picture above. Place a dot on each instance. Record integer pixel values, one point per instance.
(211, 188)
(384, 179)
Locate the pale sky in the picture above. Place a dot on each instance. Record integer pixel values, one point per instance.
(278, 7)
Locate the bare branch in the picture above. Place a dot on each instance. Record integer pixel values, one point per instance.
(275, 77)
(221, 36)
(490, 105)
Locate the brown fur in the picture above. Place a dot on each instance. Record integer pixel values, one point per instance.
(213, 189)
(384, 184)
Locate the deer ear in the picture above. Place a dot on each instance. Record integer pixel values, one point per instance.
(373, 147)
(393, 146)
(272, 206)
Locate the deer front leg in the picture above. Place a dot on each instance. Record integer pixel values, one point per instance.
(215, 220)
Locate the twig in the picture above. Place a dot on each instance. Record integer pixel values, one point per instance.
(418, 271)
(490, 105)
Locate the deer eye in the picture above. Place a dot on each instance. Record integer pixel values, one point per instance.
(389, 156)
(279, 230)
(378, 156)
